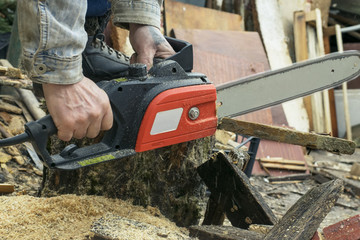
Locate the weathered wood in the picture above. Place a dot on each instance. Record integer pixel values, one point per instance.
(5, 81)
(28, 97)
(244, 204)
(215, 212)
(355, 169)
(11, 72)
(31, 103)
(279, 134)
(303, 219)
(351, 185)
(284, 166)
(282, 161)
(193, 17)
(292, 177)
(223, 233)
(7, 107)
(264, 229)
(7, 188)
(301, 53)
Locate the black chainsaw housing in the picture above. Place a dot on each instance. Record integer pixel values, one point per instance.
(129, 98)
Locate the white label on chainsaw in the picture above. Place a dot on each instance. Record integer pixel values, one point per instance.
(166, 121)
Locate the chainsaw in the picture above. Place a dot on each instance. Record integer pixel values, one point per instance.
(170, 104)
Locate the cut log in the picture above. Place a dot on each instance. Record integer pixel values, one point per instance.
(278, 134)
(165, 178)
(241, 202)
(223, 233)
(303, 219)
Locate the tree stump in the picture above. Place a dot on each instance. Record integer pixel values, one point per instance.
(165, 178)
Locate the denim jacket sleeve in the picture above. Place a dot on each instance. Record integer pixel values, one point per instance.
(52, 37)
(145, 12)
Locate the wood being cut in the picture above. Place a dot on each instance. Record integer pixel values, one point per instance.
(295, 224)
(310, 140)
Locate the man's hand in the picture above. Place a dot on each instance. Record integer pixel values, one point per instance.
(148, 42)
(78, 110)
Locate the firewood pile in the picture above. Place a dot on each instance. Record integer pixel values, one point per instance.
(18, 170)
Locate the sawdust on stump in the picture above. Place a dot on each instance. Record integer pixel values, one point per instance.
(73, 217)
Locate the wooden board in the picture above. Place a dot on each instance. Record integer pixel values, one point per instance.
(273, 35)
(242, 203)
(228, 55)
(354, 84)
(186, 16)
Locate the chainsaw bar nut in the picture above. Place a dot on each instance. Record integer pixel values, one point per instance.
(194, 113)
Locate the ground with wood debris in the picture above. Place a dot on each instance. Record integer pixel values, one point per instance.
(80, 217)
(24, 216)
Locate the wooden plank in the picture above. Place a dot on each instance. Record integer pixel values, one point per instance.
(282, 161)
(193, 17)
(300, 222)
(284, 166)
(215, 212)
(324, 7)
(274, 133)
(223, 233)
(6, 188)
(244, 204)
(340, 46)
(301, 53)
(273, 36)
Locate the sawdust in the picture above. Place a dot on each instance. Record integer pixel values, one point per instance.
(72, 217)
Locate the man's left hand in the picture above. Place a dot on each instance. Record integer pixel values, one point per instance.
(148, 43)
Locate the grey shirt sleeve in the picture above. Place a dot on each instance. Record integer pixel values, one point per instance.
(52, 36)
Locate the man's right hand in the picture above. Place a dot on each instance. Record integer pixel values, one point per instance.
(78, 110)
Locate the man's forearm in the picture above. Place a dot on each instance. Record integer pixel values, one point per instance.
(52, 36)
